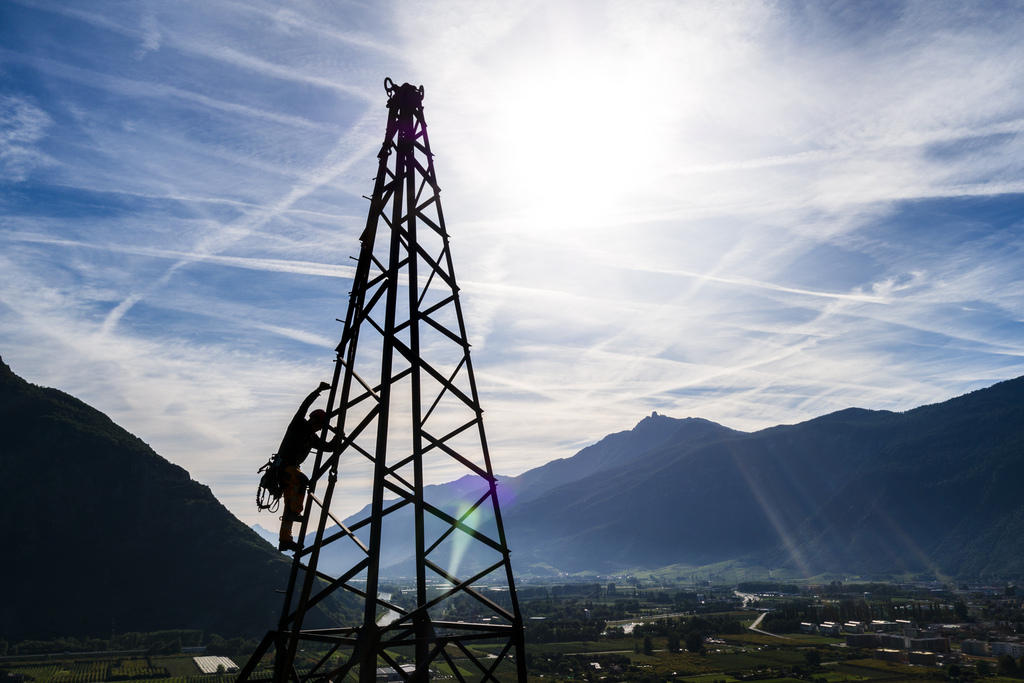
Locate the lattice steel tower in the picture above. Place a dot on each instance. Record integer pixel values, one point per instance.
(405, 402)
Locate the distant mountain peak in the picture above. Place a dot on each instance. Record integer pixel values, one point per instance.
(655, 419)
(662, 418)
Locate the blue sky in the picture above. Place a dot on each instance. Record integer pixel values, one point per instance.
(753, 212)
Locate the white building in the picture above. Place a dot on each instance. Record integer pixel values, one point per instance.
(829, 628)
(211, 664)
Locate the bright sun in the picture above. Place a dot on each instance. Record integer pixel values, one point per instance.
(575, 139)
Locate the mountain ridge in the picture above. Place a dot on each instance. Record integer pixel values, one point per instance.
(796, 474)
(810, 497)
(612, 451)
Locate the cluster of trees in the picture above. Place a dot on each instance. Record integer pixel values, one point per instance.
(1008, 666)
(151, 643)
(574, 619)
(572, 608)
(230, 647)
(679, 600)
(767, 587)
(837, 588)
(37, 647)
(569, 590)
(1010, 608)
(551, 631)
(627, 596)
(577, 665)
(135, 669)
(571, 619)
(692, 640)
(686, 632)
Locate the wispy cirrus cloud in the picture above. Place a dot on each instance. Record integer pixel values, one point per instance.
(141, 89)
(754, 213)
(22, 124)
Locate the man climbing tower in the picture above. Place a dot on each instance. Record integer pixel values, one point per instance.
(302, 435)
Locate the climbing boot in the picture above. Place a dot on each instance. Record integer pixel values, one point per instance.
(286, 544)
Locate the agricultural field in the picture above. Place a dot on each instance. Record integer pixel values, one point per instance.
(169, 669)
(786, 662)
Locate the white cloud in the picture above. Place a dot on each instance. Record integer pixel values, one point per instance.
(22, 125)
(150, 36)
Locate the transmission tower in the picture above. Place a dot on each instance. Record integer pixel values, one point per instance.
(405, 404)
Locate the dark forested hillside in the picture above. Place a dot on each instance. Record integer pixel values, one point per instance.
(103, 534)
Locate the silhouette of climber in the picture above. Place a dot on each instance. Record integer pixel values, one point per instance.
(302, 435)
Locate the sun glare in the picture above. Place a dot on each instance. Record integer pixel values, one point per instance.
(575, 138)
